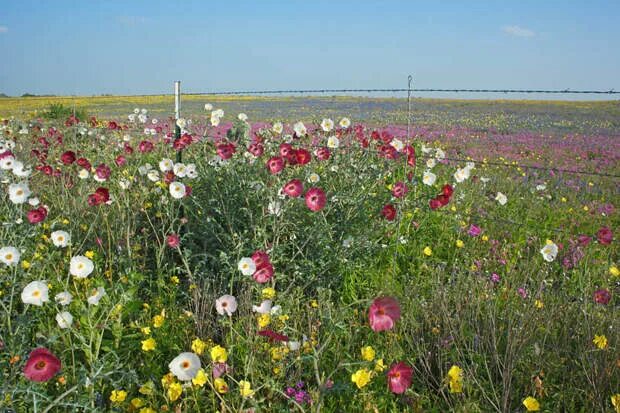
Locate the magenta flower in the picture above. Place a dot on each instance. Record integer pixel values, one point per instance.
(399, 377)
(383, 313)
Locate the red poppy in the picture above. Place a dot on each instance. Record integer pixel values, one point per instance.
(272, 335)
(103, 171)
(225, 150)
(389, 212)
(67, 157)
(83, 162)
(302, 156)
(285, 149)
(260, 258)
(323, 153)
(275, 165)
(602, 296)
(315, 199)
(145, 146)
(447, 190)
(256, 149)
(37, 215)
(42, 365)
(399, 189)
(604, 236)
(293, 188)
(383, 313)
(263, 274)
(399, 377)
(173, 240)
(434, 203)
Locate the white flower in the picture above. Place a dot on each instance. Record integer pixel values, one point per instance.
(36, 293)
(96, 296)
(154, 121)
(275, 310)
(345, 123)
(144, 169)
(501, 198)
(83, 174)
(429, 178)
(142, 118)
(219, 113)
(34, 201)
(185, 366)
(439, 154)
(81, 266)
(430, 163)
(124, 183)
(19, 171)
(153, 175)
(64, 319)
(313, 178)
(180, 170)
(177, 190)
(181, 123)
(166, 165)
(347, 242)
(60, 238)
(6, 163)
(294, 345)
(299, 128)
(242, 117)
(541, 187)
(327, 125)
(63, 298)
(208, 107)
(461, 174)
(136, 110)
(9, 255)
(277, 127)
(333, 142)
(190, 171)
(397, 144)
(470, 165)
(247, 266)
(426, 149)
(549, 251)
(226, 304)
(274, 208)
(215, 120)
(19, 193)
(263, 308)
(132, 118)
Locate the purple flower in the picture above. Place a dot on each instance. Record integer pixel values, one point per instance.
(522, 292)
(474, 230)
(495, 278)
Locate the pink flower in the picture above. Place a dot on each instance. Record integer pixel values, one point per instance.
(219, 369)
(399, 377)
(602, 296)
(103, 172)
(173, 240)
(315, 199)
(260, 258)
(68, 157)
(604, 236)
(293, 188)
(42, 365)
(226, 304)
(383, 313)
(399, 189)
(474, 230)
(322, 153)
(263, 274)
(225, 150)
(275, 165)
(37, 215)
(389, 212)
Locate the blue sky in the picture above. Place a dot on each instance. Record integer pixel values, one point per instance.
(134, 47)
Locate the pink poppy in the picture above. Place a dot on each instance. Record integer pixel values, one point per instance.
(37, 215)
(604, 236)
(103, 171)
(383, 313)
(42, 365)
(315, 199)
(173, 240)
(294, 188)
(399, 189)
(389, 212)
(602, 296)
(225, 150)
(263, 274)
(285, 149)
(68, 157)
(399, 377)
(275, 165)
(260, 258)
(323, 153)
(302, 156)
(474, 230)
(256, 149)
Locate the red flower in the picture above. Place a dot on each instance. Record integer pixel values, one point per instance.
(37, 215)
(389, 212)
(120, 160)
(399, 189)
(145, 146)
(101, 196)
(447, 190)
(285, 149)
(315, 199)
(260, 259)
(383, 313)
(294, 188)
(42, 365)
(256, 149)
(323, 153)
(68, 157)
(173, 240)
(604, 236)
(112, 125)
(272, 335)
(263, 274)
(302, 156)
(399, 377)
(83, 162)
(602, 296)
(275, 165)
(443, 199)
(225, 150)
(103, 171)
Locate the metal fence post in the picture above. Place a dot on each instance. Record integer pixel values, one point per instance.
(177, 115)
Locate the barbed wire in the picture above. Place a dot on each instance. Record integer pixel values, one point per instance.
(397, 90)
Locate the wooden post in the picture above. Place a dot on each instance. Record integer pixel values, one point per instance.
(177, 115)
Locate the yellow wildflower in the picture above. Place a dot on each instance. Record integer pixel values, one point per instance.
(278, 353)
(147, 388)
(459, 243)
(149, 344)
(600, 341)
(147, 410)
(615, 401)
(198, 346)
(455, 379)
(368, 353)
(25, 264)
(245, 388)
(538, 304)
(219, 354)
(268, 293)
(175, 279)
(428, 251)
(200, 379)
(118, 396)
(485, 238)
(90, 254)
(159, 319)
(264, 320)
(314, 304)
(174, 391)
(531, 404)
(146, 330)
(379, 366)
(361, 377)
(220, 385)
(613, 270)
(137, 402)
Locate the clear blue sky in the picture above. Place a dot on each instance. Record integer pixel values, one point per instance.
(134, 47)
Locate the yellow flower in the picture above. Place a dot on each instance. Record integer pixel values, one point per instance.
(615, 401)
(379, 366)
(563, 199)
(200, 379)
(264, 320)
(147, 388)
(538, 304)
(600, 341)
(137, 402)
(459, 243)
(174, 391)
(278, 353)
(118, 396)
(90, 254)
(428, 251)
(175, 279)
(361, 377)
(25, 264)
(198, 346)
(613, 270)
(368, 353)
(268, 293)
(147, 410)
(158, 320)
(245, 388)
(219, 354)
(146, 330)
(455, 379)
(531, 404)
(149, 344)
(220, 385)
(485, 238)
(314, 304)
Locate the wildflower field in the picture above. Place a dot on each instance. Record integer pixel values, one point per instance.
(310, 257)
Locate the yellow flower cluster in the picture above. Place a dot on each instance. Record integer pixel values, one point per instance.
(455, 379)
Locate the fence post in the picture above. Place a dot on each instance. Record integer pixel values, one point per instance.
(409, 81)
(177, 115)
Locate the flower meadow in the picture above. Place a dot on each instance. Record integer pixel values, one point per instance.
(221, 263)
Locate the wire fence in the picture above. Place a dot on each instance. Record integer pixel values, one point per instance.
(401, 90)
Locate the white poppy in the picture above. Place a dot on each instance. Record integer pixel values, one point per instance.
(208, 107)
(247, 266)
(181, 123)
(299, 128)
(501, 198)
(81, 266)
(313, 178)
(439, 154)
(166, 165)
(60, 238)
(549, 251)
(430, 163)
(64, 319)
(6, 163)
(124, 183)
(277, 127)
(242, 117)
(9, 255)
(333, 142)
(274, 208)
(36, 293)
(327, 125)
(190, 171)
(96, 296)
(397, 144)
(63, 298)
(144, 169)
(19, 171)
(34, 201)
(83, 174)
(263, 308)
(461, 174)
(19, 193)
(293, 345)
(180, 170)
(185, 366)
(345, 123)
(215, 120)
(226, 304)
(429, 178)
(153, 175)
(177, 190)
